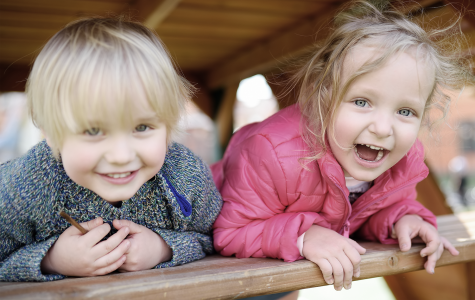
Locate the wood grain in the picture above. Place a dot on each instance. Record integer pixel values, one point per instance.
(217, 277)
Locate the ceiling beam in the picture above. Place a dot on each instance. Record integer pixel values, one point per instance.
(271, 54)
(160, 13)
(152, 12)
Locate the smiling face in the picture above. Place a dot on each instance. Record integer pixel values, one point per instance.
(379, 117)
(114, 158)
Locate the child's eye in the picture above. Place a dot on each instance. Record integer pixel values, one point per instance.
(141, 128)
(93, 131)
(405, 112)
(361, 103)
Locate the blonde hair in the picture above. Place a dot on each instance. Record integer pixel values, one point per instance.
(319, 79)
(96, 66)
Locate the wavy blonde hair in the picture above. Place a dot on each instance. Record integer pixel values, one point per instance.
(94, 67)
(319, 79)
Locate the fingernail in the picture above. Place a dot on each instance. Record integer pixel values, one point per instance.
(423, 254)
(118, 221)
(126, 230)
(358, 274)
(329, 281)
(348, 286)
(338, 288)
(432, 271)
(403, 246)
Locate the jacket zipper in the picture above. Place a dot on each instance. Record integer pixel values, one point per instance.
(346, 226)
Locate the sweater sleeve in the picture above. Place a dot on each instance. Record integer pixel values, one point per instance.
(194, 214)
(379, 226)
(20, 252)
(254, 221)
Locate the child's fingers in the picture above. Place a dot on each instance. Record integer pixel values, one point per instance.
(107, 246)
(96, 234)
(326, 269)
(358, 247)
(404, 239)
(449, 246)
(90, 225)
(432, 259)
(338, 273)
(134, 228)
(113, 256)
(112, 267)
(431, 247)
(347, 269)
(355, 259)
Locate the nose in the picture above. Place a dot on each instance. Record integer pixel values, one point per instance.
(120, 151)
(381, 125)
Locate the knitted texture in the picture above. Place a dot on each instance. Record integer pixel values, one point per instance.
(35, 188)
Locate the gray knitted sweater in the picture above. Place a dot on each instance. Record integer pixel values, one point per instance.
(180, 203)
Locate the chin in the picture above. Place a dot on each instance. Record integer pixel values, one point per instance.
(364, 176)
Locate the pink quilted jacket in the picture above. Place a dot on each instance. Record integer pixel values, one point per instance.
(270, 199)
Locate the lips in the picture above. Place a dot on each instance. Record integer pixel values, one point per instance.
(119, 178)
(369, 153)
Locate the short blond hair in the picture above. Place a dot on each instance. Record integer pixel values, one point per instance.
(96, 58)
(319, 79)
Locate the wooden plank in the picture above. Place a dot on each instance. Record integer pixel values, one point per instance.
(217, 277)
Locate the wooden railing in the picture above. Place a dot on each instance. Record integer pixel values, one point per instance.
(217, 277)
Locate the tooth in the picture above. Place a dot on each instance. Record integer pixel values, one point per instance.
(116, 175)
(380, 155)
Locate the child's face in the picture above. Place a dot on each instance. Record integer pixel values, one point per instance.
(382, 109)
(113, 159)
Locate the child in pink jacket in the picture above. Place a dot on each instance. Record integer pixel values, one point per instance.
(345, 160)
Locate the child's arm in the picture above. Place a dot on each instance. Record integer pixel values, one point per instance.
(338, 257)
(411, 226)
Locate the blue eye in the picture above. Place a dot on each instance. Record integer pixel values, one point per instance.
(141, 128)
(93, 131)
(361, 103)
(405, 112)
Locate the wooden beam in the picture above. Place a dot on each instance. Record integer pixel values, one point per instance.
(274, 52)
(160, 13)
(269, 54)
(224, 117)
(218, 277)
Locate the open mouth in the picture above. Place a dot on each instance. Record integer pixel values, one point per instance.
(370, 153)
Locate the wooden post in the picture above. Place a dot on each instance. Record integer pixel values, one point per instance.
(224, 117)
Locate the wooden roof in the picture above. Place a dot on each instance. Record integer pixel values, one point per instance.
(223, 40)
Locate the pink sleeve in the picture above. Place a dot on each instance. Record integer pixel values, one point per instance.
(379, 226)
(253, 221)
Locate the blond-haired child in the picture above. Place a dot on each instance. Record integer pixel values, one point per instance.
(108, 99)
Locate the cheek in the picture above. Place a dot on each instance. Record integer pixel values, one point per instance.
(154, 153)
(77, 161)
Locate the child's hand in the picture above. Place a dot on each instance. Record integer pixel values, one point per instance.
(334, 254)
(75, 254)
(410, 226)
(147, 248)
